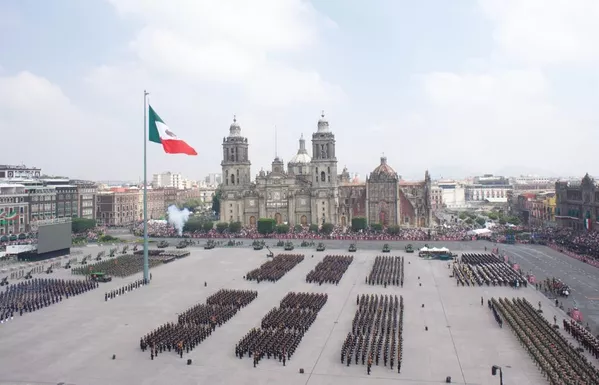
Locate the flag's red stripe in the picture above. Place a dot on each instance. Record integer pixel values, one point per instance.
(177, 147)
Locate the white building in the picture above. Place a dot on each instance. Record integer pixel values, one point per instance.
(8, 172)
(453, 194)
(172, 180)
(488, 188)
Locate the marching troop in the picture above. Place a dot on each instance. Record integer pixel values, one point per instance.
(197, 323)
(377, 332)
(557, 358)
(124, 289)
(275, 269)
(386, 271)
(330, 269)
(282, 329)
(583, 336)
(37, 293)
(481, 269)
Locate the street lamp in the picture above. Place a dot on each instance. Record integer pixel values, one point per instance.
(494, 370)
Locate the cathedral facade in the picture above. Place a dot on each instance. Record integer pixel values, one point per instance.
(310, 191)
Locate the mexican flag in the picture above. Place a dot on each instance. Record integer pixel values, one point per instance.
(13, 216)
(161, 133)
(2, 214)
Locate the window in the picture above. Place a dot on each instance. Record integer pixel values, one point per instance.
(323, 177)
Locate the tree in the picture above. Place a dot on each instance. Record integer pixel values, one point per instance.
(469, 221)
(313, 228)
(326, 228)
(393, 229)
(207, 226)
(358, 223)
(80, 225)
(266, 225)
(463, 216)
(502, 221)
(298, 228)
(493, 216)
(376, 227)
(216, 202)
(514, 220)
(282, 229)
(234, 227)
(481, 221)
(221, 227)
(193, 224)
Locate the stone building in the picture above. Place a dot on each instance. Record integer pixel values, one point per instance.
(577, 203)
(14, 209)
(309, 190)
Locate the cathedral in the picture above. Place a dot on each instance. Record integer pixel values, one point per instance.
(310, 191)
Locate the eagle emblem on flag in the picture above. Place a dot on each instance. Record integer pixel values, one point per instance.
(170, 133)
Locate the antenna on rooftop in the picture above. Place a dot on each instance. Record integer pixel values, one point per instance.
(276, 152)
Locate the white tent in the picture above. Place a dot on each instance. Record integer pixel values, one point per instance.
(425, 249)
(444, 249)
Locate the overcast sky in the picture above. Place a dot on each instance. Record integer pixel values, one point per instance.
(458, 87)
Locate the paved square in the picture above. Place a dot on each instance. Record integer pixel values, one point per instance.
(73, 342)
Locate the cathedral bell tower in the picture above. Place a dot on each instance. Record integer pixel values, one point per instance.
(325, 184)
(236, 174)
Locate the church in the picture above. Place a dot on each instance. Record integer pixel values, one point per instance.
(310, 191)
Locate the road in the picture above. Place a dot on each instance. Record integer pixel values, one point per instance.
(582, 278)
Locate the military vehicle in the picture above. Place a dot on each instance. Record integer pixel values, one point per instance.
(352, 248)
(231, 242)
(409, 248)
(280, 244)
(4, 281)
(162, 244)
(49, 270)
(134, 248)
(307, 244)
(270, 253)
(125, 249)
(29, 275)
(258, 245)
(289, 246)
(100, 277)
(68, 265)
(386, 248)
(182, 244)
(84, 260)
(320, 247)
(209, 245)
(112, 252)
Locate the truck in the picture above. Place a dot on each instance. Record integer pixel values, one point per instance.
(409, 248)
(386, 248)
(100, 277)
(162, 244)
(320, 247)
(352, 248)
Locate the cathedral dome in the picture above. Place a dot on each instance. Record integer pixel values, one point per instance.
(323, 124)
(384, 170)
(235, 129)
(302, 155)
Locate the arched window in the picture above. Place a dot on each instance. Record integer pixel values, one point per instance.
(232, 178)
(323, 177)
(227, 177)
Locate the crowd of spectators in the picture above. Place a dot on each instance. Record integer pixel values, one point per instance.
(456, 233)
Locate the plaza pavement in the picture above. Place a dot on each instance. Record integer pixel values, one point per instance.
(73, 341)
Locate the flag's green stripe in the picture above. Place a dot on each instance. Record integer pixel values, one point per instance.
(154, 136)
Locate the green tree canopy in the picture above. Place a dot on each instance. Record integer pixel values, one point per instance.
(469, 221)
(79, 225)
(221, 227)
(234, 227)
(326, 228)
(298, 228)
(463, 216)
(358, 223)
(266, 226)
(376, 227)
(216, 202)
(493, 216)
(313, 228)
(393, 229)
(282, 229)
(207, 226)
(194, 224)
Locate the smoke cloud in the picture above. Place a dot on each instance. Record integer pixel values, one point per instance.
(177, 218)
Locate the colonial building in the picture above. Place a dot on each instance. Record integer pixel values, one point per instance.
(309, 190)
(86, 198)
(14, 209)
(577, 203)
(119, 207)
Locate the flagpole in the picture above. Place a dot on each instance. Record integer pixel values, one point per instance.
(146, 263)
